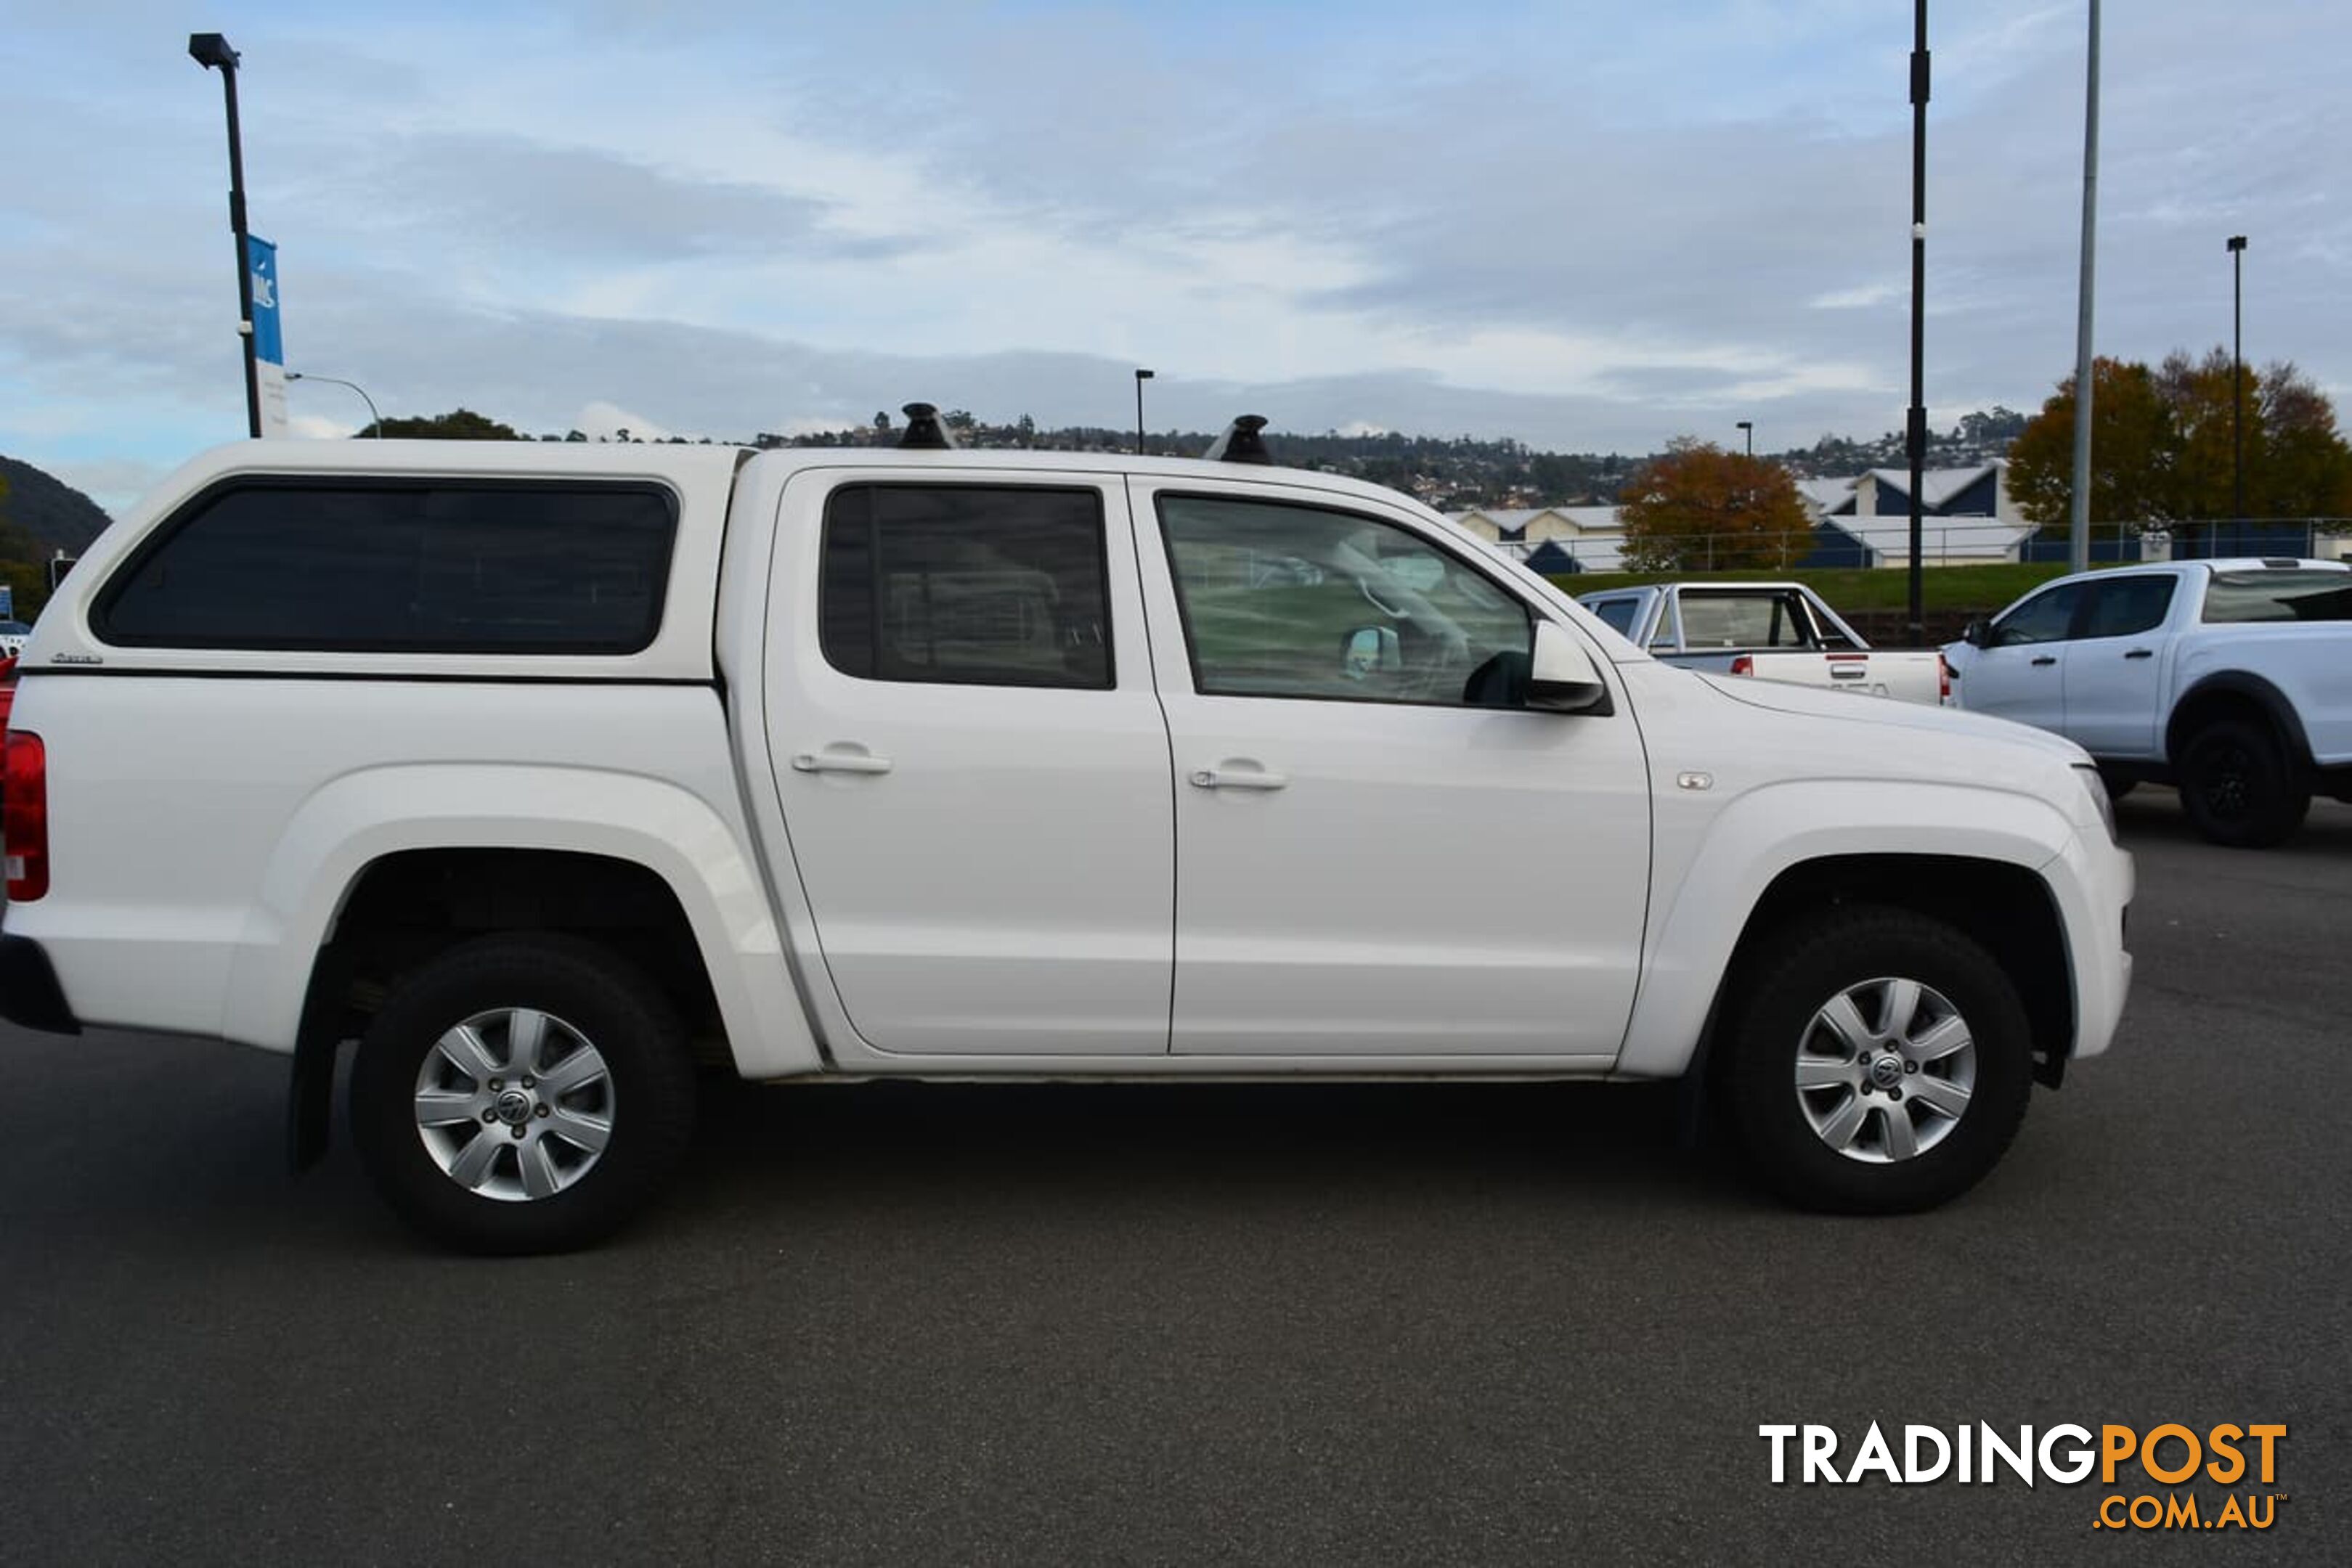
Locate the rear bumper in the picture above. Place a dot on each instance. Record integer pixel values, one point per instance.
(29, 993)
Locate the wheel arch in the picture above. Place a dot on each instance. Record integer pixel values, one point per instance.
(574, 837)
(2236, 693)
(1774, 849)
(2005, 908)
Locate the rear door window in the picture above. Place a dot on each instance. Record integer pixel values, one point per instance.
(2124, 606)
(966, 584)
(399, 565)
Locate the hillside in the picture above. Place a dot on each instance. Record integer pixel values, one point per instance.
(46, 507)
(1451, 474)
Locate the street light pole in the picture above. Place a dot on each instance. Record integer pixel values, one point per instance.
(338, 381)
(210, 50)
(1748, 427)
(1918, 424)
(1141, 377)
(2078, 532)
(2237, 380)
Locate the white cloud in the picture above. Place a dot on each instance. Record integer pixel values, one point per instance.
(1580, 225)
(602, 421)
(1862, 297)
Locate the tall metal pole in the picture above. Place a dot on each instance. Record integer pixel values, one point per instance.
(2078, 551)
(1748, 427)
(1918, 429)
(210, 50)
(1141, 377)
(2237, 380)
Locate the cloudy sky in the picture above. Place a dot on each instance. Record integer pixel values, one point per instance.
(1590, 226)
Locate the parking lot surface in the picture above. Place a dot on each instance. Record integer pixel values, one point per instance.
(1178, 1324)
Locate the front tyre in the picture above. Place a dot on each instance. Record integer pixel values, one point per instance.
(1880, 1063)
(522, 1094)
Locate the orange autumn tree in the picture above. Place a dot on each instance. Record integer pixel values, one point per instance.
(1700, 509)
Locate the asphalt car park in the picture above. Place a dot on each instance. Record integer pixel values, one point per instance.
(1178, 1323)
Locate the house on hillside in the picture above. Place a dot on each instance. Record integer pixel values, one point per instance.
(1551, 539)
(1980, 490)
(1524, 527)
(1967, 515)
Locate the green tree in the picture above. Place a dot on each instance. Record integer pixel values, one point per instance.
(2164, 446)
(2307, 468)
(2197, 394)
(20, 558)
(2134, 448)
(1699, 507)
(457, 425)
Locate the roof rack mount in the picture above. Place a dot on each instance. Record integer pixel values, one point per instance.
(1240, 442)
(924, 431)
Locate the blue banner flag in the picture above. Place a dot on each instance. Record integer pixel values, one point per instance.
(269, 341)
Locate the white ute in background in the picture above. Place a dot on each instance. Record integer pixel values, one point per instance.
(1772, 631)
(2232, 679)
(545, 772)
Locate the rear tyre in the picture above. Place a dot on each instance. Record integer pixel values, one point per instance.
(522, 1094)
(1881, 1062)
(2237, 788)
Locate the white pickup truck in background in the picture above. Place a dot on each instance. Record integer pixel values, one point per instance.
(2232, 679)
(545, 772)
(1772, 631)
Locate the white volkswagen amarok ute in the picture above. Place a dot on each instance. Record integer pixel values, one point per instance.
(546, 773)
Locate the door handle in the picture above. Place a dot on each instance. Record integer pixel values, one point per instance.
(1231, 778)
(2141, 653)
(2045, 659)
(839, 762)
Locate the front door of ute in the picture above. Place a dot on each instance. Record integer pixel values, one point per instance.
(2020, 672)
(1379, 852)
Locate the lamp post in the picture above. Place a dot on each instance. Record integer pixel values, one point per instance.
(1748, 427)
(211, 51)
(338, 381)
(1141, 377)
(2237, 378)
(1916, 428)
(2078, 520)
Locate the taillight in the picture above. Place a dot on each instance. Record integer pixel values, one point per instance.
(1742, 664)
(1944, 691)
(25, 816)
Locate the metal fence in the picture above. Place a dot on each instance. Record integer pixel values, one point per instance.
(1885, 542)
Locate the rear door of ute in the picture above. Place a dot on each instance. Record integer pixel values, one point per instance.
(970, 758)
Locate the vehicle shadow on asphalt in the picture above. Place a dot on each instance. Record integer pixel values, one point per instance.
(1615, 1145)
(2152, 813)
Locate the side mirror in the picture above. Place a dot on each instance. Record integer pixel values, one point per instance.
(1979, 633)
(1369, 650)
(1561, 677)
